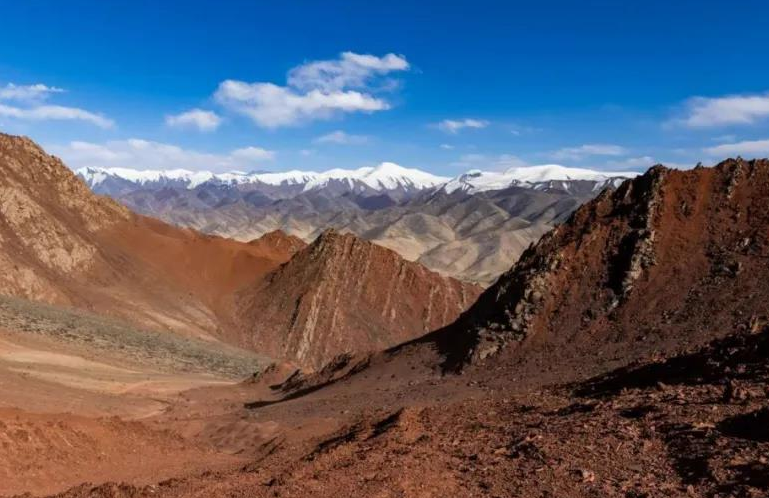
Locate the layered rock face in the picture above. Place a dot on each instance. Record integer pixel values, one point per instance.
(669, 260)
(343, 294)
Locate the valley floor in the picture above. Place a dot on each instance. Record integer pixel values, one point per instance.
(75, 403)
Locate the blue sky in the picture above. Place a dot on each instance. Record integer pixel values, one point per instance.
(443, 86)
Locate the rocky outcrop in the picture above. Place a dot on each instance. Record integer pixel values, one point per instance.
(668, 259)
(47, 221)
(342, 294)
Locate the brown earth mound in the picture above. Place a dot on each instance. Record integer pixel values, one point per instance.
(344, 294)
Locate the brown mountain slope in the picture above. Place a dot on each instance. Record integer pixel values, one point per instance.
(61, 244)
(343, 294)
(668, 260)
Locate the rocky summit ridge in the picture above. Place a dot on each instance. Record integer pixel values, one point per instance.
(342, 293)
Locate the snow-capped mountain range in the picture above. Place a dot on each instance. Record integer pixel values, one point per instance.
(385, 177)
(536, 177)
(472, 226)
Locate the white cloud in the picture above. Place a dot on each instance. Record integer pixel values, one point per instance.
(750, 148)
(499, 162)
(315, 90)
(725, 138)
(143, 154)
(55, 112)
(453, 126)
(195, 118)
(642, 162)
(27, 92)
(701, 112)
(582, 151)
(253, 154)
(31, 97)
(340, 137)
(272, 106)
(446, 146)
(351, 70)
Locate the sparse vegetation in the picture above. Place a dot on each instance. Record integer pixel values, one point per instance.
(162, 350)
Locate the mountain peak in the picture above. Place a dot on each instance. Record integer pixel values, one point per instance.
(342, 293)
(281, 241)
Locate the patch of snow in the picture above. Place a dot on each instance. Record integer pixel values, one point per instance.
(537, 177)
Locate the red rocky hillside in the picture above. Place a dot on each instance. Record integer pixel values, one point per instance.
(669, 260)
(344, 294)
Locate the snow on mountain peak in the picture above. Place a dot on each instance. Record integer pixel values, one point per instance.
(480, 181)
(385, 176)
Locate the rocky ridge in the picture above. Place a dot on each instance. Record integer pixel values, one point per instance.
(344, 294)
(647, 262)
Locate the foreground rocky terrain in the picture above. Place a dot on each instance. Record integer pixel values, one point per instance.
(692, 425)
(624, 355)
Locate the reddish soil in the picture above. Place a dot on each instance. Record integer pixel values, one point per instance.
(693, 425)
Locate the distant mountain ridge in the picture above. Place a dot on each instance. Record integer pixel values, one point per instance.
(536, 177)
(384, 177)
(472, 227)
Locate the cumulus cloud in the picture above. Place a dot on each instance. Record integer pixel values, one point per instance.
(55, 112)
(144, 154)
(446, 146)
(454, 126)
(750, 148)
(32, 108)
(351, 70)
(582, 151)
(702, 112)
(195, 118)
(27, 92)
(314, 90)
(342, 138)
